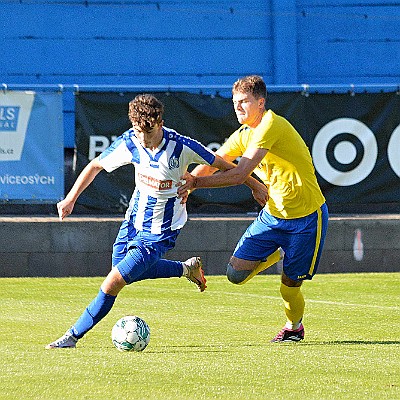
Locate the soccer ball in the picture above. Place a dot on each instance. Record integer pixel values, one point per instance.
(130, 333)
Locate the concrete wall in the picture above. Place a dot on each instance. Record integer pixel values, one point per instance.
(81, 246)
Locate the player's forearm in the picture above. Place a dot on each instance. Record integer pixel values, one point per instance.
(253, 183)
(203, 170)
(230, 177)
(84, 179)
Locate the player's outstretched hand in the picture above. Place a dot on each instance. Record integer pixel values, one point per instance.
(185, 186)
(184, 196)
(260, 194)
(65, 208)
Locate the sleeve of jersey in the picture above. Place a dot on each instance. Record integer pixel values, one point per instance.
(115, 156)
(232, 145)
(265, 134)
(200, 153)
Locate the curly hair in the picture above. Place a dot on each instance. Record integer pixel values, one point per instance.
(145, 111)
(253, 84)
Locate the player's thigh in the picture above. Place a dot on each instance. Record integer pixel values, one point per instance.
(120, 246)
(243, 265)
(144, 250)
(303, 244)
(258, 242)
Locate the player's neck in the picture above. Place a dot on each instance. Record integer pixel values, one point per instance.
(156, 142)
(256, 120)
(155, 149)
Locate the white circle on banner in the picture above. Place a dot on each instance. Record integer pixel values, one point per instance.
(345, 152)
(394, 152)
(321, 142)
(214, 146)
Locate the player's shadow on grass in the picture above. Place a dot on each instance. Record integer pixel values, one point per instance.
(373, 342)
(201, 348)
(224, 349)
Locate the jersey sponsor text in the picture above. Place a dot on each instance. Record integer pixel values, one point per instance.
(155, 183)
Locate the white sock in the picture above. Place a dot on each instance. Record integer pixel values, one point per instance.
(185, 270)
(293, 325)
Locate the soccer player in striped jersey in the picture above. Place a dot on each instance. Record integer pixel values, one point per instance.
(155, 214)
(295, 217)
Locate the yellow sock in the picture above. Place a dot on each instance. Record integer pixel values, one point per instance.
(294, 305)
(271, 260)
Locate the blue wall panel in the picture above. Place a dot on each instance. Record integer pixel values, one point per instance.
(197, 42)
(134, 43)
(348, 43)
(184, 61)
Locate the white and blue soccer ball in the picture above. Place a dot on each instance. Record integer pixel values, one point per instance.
(130, 333)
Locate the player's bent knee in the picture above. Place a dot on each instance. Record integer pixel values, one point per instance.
(235, 276)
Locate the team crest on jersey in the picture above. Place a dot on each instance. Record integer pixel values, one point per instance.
(173, 162)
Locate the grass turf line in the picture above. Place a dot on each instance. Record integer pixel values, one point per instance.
(211, 345)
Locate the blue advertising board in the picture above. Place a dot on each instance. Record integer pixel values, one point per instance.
(31, 147)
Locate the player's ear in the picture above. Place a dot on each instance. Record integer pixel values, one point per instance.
(261, 102)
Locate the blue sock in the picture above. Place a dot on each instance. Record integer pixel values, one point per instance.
(93, 313)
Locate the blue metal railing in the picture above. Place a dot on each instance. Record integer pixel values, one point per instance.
(304, 88)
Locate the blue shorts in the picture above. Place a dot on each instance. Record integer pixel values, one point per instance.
(152, 246)
(302, 240)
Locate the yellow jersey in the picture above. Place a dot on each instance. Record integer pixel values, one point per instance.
(287, 168)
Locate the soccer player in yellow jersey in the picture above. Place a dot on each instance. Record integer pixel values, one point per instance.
(295, 217)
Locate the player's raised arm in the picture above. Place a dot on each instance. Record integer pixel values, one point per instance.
(84, 179)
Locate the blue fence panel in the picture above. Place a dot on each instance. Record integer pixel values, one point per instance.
(349, 43)
(134, 42)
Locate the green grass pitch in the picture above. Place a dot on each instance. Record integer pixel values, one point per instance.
(211, 345)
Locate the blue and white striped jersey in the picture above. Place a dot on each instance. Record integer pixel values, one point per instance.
(154, 206)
